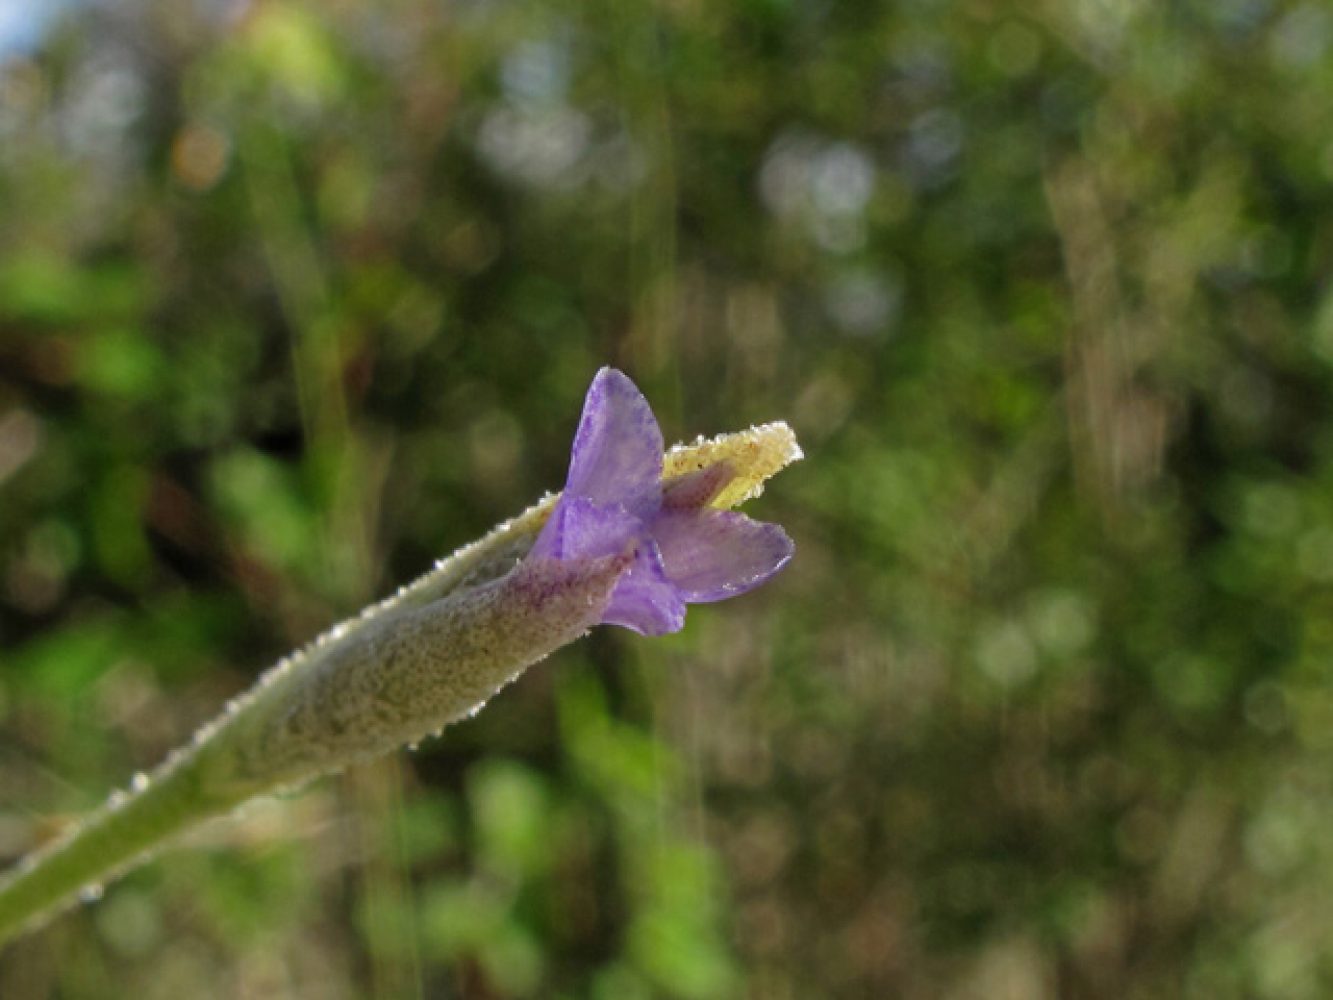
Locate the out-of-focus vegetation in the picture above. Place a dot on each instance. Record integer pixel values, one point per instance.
(295, 297)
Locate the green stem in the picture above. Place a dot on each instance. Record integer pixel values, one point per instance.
(121, 833)
(110, 840)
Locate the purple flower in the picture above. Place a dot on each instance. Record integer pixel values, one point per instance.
(614, 502)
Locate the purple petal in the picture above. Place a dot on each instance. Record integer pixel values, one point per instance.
(617, 456)
(580, 529)
(714, 554)
(645, 600)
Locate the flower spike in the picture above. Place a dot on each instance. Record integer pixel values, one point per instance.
(635, 536)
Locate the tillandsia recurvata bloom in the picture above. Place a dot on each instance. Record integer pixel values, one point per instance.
(635, 536)
(680, 550)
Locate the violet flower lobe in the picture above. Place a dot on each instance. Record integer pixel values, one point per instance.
(683, 551)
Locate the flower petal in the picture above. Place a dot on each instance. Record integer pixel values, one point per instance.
(714, 554)
(581, 529)
(617, 456)
(644, 599)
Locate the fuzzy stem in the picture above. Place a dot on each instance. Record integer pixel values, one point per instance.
(111, 840)
(357, 694)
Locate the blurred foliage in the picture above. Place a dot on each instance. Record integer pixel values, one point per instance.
(295, 297)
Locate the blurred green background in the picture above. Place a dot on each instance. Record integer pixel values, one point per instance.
(298, 296)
